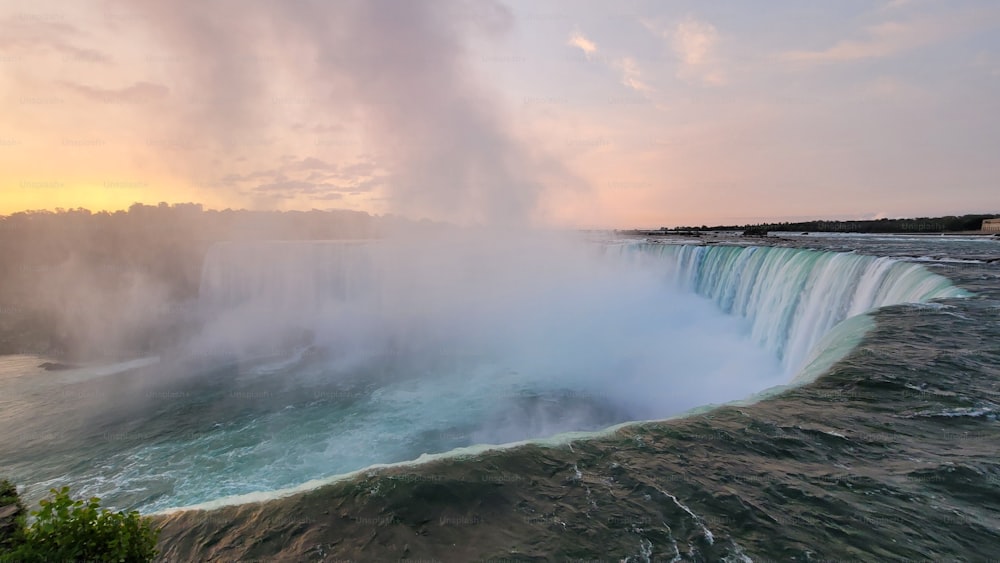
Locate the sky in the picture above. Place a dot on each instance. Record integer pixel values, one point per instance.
(565, 113)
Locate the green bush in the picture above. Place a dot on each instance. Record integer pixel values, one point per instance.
(8, 494)
(12, 516)
(76, 530)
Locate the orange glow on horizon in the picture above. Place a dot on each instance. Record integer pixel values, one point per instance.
(95, 196)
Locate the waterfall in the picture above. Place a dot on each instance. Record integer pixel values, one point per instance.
(792, 296)
(287, 276)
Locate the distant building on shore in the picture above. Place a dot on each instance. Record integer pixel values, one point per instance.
(991, 225)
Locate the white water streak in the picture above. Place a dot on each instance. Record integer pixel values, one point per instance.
(793, 296)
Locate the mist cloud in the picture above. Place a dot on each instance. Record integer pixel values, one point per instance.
(398, 70)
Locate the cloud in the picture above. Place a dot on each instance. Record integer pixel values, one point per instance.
(896, 4)
(631, 75)
(331, 196)
(360, 168)
(398, 71)
(29, 34)
(288, 187)
(629, 68)
(694, 43)
(578, 40)
(312, 163)
(309, 179)
(140, 92)
(296, 189)
(877, 41)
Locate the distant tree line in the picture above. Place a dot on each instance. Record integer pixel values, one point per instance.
(950, 223)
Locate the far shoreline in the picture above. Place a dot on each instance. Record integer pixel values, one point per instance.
(741, 233)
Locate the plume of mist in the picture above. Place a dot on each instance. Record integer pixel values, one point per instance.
(102, 315)
(546, 312)
(400, 70)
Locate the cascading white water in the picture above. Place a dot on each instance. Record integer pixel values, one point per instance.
(294, 276)
(792, 296)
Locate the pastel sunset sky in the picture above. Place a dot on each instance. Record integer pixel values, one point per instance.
(577, 113)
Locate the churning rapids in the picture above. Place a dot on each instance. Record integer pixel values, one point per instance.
(315, 359)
